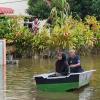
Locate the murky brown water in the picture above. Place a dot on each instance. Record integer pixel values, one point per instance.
(20, 85)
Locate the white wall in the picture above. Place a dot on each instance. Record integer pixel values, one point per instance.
(19, 7)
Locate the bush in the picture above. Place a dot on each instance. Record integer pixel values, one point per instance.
(65, 33)
(72, 34)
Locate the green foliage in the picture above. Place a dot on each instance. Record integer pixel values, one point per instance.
(95, 27)
(16, 34)
(65, 33)
(81, 7)
(72, 34)
(5, 26)
(97, 42)
(8, 26)
(96, 8)
(61, 6)
(23, 41)
(78, 8)
(39, 8)
(40, 41)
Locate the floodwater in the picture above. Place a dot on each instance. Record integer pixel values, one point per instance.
(21, 86)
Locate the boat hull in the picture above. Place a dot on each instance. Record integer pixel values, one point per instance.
(62, 83)
(59, 87)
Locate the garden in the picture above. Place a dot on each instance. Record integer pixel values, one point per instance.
(67, 30)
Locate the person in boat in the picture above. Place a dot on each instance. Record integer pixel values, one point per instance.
(61, 65)
(74, 62)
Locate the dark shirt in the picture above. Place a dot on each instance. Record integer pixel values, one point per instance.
(61, 67)
(72, 61)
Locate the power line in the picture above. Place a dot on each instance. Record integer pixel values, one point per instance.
(13, 1)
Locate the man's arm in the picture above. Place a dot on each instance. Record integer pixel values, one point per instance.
(76, 65)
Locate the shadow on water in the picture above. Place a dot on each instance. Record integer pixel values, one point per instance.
(21, 86)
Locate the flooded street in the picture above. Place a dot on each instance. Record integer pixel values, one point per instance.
(21, 86)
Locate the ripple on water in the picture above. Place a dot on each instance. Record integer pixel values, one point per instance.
(21, 87)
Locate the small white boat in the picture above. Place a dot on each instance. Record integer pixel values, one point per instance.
(50, 82)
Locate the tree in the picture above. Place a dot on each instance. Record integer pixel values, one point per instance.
(41, 8)
(96, 8)
(5, 26)
(38, 8)
(8, 26)
(81, 7)
(78, 8)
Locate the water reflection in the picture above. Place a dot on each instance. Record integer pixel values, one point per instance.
(83, 94)
(86, 94)
(2, 83)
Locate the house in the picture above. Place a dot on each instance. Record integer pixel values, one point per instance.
(5, 11)
(19, 6)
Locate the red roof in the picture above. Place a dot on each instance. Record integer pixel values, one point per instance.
(4, 10)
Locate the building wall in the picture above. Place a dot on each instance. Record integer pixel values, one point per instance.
(19, 7)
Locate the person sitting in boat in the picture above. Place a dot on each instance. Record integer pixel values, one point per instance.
(61, 65)
(74, 62)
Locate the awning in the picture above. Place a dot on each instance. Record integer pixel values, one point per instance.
(4, 10)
